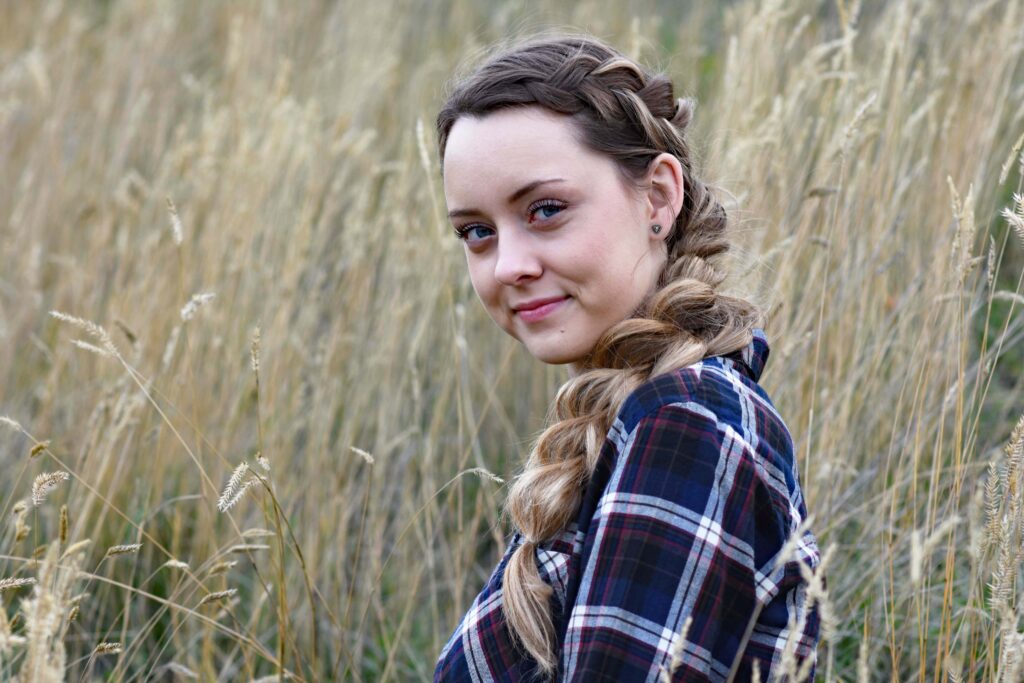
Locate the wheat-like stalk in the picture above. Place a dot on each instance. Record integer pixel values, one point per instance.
(362, 454)
(235, 489)
(11, 584)
(254, 350)
(175, 564)
(96, 331)
(247, 547)
(75, 548)
(91, 348)
(63, 524)
(46, 482)
(221, 567)
(107, 649)
(177, 232)
(126, 549)
(257, 533)
(217, 596)
(197, 301)
(676, 652)
(482, 472)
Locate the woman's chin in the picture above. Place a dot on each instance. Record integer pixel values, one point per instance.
(553, 355)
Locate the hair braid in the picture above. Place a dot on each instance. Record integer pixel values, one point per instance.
(631, 115)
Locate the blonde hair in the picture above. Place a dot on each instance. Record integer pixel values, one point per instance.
(630, 114)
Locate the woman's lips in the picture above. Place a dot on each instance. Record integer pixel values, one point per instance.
(532, 315)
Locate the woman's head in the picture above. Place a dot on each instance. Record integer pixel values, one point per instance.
(628, 301)
(546, 219)
(552, 107)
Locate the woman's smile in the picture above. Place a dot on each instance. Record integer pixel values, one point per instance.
(539, 309)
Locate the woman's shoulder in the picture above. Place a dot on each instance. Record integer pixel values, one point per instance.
(726, 386)
(722, 389)
(718, 401)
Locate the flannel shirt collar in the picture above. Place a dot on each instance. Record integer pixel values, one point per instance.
(752, 358)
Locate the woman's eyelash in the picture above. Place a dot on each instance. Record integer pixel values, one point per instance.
(462, 232)
(546, 203)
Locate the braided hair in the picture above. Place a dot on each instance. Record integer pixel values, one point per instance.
(629, 114)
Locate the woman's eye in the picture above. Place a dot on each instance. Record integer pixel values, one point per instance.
(546, 208)
(470, 233)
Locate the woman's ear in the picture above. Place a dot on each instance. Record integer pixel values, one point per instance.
(666, 191)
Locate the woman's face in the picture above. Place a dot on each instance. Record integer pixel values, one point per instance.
(558, 248)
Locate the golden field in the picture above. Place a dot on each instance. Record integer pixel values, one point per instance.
(301, 476)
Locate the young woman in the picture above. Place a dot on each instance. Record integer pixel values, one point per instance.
(654, 511)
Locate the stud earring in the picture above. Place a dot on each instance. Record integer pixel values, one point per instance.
(655, 228)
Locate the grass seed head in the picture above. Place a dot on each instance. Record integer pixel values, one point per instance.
(175, 564)
(188, 311)
(217, 596)
(45, 483)
(107, 649)
(76, 548)
(221, 567)
(11, 584)
(176, 229)
(123, 549)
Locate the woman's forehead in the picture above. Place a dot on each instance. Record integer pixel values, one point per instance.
(513, 147)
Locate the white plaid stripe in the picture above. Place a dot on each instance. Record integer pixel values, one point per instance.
(476, 656)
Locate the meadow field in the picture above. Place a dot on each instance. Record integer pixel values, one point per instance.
(256, 425)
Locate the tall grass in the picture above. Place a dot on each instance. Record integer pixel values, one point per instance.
(277, 402)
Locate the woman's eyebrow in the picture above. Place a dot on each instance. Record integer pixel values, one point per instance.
(515, 196)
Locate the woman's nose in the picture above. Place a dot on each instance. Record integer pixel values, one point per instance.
(517, 259)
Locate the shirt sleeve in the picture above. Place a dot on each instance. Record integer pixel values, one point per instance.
(690, 524)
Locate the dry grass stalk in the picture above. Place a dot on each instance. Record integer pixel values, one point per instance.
(247, 547)
(482, 472)
(76, 548)
(86, 346)
(12, 583)
(20, 512)
(676, 652)
(45, 654)
(188, 311)
(262, 462)
(362, 454)
(177, 232)
(46, 482)
(217, 596)
(126, 549)
(179, 669)
(63, 524)
(235, 489)
(107, 649)
(257, 533)
(221, 567)
(254, 350)
(175, 564)
(1015, 217)
(97, 332)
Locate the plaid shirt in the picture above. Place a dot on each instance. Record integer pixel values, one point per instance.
(695, 494)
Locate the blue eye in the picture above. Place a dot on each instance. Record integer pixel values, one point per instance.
(466, 233)
(547, 204)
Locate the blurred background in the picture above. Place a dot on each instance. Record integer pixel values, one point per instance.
(291, 398)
